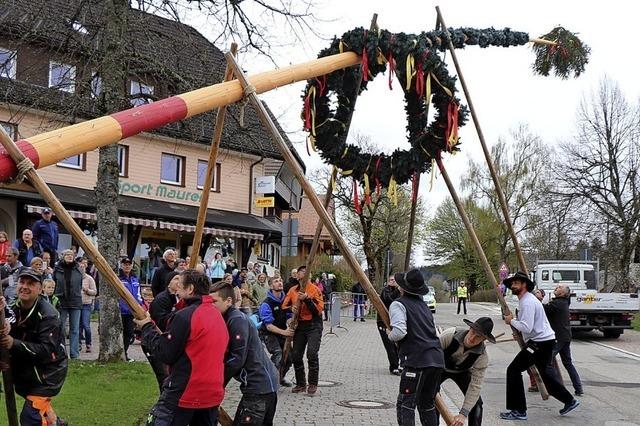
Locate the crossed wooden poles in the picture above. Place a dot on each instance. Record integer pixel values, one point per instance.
(47, 149)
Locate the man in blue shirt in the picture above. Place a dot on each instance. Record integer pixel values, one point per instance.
(45, 231)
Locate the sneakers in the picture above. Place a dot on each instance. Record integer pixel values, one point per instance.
(513, 415)
(88, 349)
(312, 389)
(569, 407)
(298, 389)
(579, 393)
(533, 389)
(396, 372)
(61, 422)
(361, 319)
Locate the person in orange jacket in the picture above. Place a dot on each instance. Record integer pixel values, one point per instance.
(308, 333)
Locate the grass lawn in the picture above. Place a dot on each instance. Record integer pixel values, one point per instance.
(103, 394)
(636, 323)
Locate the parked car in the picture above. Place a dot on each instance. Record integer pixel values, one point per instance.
(430, 299)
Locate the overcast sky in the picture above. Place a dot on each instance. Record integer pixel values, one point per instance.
(503, 88)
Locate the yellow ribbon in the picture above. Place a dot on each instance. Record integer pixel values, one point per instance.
(427, 95)
(447, 91)
(380, 57)
(313, 143)
(346, 149)
(410, 70)
(341, 46)
(345, 172)
(433, 173)
(367, 189)
(333, 179)
(392, 192)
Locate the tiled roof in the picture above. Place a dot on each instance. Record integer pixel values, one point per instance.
(308, 220)
(177, 55)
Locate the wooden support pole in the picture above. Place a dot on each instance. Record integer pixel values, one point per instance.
(7, 381)
(211, 169)
(487, 155)
(487, 269)
(70, 225)
(412, 223)
(316, 236)
(317, 205)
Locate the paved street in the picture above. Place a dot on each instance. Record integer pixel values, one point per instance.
(354, 359)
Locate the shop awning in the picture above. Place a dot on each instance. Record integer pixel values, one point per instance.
(180, 227)
(76, 214)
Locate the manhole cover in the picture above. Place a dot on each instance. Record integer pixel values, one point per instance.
(365, 404)
(328, 384)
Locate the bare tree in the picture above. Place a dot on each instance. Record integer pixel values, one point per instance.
(600, 169)
(520, 163)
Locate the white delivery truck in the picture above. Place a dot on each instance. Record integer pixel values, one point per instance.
(610, 313)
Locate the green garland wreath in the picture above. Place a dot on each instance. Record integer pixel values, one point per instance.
(409, 57)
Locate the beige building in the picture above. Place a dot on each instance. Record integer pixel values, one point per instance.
(161, 173)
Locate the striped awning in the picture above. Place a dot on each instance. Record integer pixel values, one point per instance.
(76, 214)
(179, 227)
(233, 234)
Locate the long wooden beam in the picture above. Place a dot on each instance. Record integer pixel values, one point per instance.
(51, 147)
(211, 168)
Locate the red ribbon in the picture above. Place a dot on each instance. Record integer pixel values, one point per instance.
(392, 69)
(322, 84)
(375, 174)
(356, 197)
(452, 124)
(419, 80)
(365, 65)
(307, 112)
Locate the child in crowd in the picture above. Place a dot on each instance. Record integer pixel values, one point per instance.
(48, 287)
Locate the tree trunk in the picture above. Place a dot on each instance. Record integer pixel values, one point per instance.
(113, 72)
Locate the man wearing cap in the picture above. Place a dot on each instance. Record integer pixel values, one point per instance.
(32, 335)
(540, 340)
(45, 231)
(131, 283)
(421, 355)
(466, 360)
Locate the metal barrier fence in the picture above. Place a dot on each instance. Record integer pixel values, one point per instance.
(355, 306)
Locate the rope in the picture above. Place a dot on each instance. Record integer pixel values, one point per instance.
(23, 167)
(248, 91)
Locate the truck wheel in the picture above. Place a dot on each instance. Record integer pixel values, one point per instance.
(614, 334)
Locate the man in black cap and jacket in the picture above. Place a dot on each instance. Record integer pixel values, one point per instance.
(558, 314)
(388, 294)
(540, 340)
(466, 360)
(412, 327)
(38, 357)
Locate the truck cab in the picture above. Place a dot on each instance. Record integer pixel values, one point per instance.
(610, 313)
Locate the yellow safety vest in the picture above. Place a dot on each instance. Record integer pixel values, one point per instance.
(462, 291)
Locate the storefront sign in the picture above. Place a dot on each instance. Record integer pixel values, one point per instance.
(264, 202)
(160, 191)
(265, 185)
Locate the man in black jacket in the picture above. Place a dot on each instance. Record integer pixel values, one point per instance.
(247, 362)
(32, 335)
(558, 313)
(68, 280)
(159, 281)
(388, 294)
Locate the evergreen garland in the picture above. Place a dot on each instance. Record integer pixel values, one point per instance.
(326, 123)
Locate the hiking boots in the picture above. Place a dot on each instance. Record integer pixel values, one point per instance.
(312, 389)
(299, 389)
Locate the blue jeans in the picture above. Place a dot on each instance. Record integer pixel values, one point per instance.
(74, 329)
(564, 349)
(85, 323)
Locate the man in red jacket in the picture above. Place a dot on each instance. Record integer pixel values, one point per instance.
(193, 346)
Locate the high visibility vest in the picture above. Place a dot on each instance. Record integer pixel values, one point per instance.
(462, 291)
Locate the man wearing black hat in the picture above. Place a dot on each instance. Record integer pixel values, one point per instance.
(540, 340)
(412, 327)
(466, 360)
(38, 358)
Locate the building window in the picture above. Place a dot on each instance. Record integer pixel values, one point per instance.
(62, 77)
(139, 92)
(11, 129)
(123, 160)
(74, 162)
(202, 174)
(172, 169)
(95, 85)
(7, 63)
